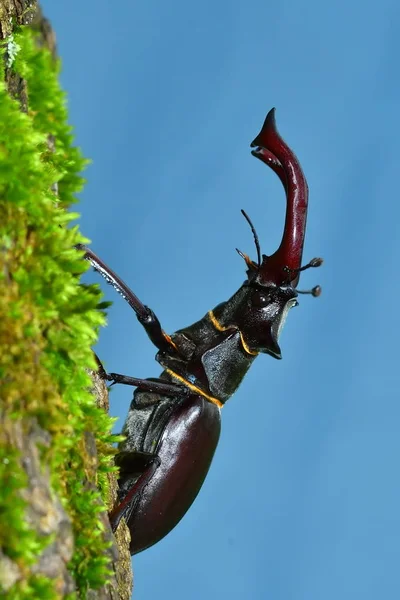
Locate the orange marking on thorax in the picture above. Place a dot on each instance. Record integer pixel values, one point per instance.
(194, 388)
(170, 341)
(220, 327)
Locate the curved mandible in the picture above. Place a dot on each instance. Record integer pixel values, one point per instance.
(274, 151)
(272, 162)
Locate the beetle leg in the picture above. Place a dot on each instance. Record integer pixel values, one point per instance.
(133, 462)
(156, 386)
(152, 462)
(144, 314)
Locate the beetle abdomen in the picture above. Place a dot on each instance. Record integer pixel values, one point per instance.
(185, 449)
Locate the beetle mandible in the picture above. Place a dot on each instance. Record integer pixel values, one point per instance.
(173, 424)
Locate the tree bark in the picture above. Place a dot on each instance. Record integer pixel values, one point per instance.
(24, 441)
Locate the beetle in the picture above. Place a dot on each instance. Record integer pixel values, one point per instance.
(173, 425)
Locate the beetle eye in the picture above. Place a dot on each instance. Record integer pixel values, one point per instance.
(260, 299)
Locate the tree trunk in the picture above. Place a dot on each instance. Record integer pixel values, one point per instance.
(55, 444)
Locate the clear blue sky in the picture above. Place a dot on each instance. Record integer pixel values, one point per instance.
(303, 498)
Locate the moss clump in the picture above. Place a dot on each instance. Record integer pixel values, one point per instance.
(48, 324)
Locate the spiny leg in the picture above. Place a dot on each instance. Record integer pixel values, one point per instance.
(144, 314)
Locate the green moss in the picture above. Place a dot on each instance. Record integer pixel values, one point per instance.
(36, 587)
(48, 322)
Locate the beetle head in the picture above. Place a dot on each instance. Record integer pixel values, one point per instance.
(261, 305)
(259, 312)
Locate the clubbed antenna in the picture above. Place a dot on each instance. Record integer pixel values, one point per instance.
(315, 291)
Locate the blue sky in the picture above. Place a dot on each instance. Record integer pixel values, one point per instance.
(302, 500)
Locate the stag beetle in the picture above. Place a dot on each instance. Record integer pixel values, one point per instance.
(173, 424)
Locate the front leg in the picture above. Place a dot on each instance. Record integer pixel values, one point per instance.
(144, 314)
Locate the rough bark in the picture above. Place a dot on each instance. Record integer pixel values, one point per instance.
(123, 581)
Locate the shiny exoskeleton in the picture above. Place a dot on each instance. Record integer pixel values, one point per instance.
(173, 424)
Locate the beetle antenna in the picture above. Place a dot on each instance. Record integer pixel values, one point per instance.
(316, 291)
(314, 262)
(257, 243)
